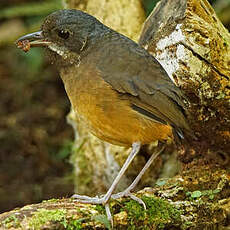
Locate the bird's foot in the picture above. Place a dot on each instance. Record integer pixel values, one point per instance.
(103, 200)
(89, 200)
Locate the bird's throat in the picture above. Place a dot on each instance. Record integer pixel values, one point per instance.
(63, 57)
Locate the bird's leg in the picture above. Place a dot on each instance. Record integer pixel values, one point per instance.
(103, 200)
(127, 191)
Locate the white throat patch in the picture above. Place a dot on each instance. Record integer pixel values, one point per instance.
(58, 49)
(66, 54)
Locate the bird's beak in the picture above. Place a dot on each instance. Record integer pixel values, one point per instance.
(32, 40)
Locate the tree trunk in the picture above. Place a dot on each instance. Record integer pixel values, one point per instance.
(193, 46)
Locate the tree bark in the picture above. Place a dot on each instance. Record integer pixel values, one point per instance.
(197, 199)
(193, 46)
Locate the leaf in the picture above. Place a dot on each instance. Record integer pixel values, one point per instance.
(216, 191)
(196, 194)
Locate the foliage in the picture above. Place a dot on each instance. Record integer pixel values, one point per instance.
(149, 5)
(31, 9)
(158, 213)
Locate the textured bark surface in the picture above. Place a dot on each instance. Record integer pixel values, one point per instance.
(197, 199)
(194, 47)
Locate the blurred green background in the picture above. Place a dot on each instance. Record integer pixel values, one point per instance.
(35, 140)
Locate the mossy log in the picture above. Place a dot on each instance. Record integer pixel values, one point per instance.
(197, 199)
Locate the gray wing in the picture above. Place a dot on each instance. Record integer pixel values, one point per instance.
(139, 77)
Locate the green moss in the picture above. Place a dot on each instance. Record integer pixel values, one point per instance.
(202, 194)
(187, 224)
(11, 222)
(101, 217)
(59, 217)
(100, 208)
(75, 224)
(158, 213)
(135, 212)
(43, 216)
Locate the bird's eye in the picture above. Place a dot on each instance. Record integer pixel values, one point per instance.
(63, 34)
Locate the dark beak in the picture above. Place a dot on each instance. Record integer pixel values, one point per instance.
(31, 40)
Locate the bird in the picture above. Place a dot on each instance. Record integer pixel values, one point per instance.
(118, 90)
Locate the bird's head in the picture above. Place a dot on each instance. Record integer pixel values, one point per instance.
(66, 33)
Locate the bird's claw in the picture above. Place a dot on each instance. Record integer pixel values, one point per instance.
(104, 201)
(89, 200)
(127, 193)
(95, 200)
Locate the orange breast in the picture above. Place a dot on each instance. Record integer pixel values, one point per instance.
(106, 115)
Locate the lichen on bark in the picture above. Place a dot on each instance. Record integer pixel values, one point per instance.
(188, 201)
